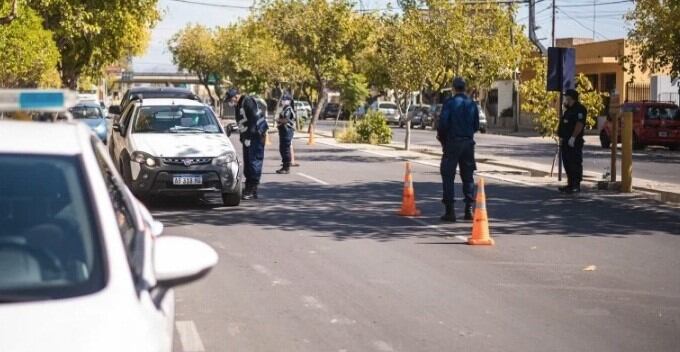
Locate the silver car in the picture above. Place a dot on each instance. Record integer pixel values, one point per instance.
(389, 109)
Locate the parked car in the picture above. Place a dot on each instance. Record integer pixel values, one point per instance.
(92, 115)
(175, 147)
(330, 111)
(435, 112)
(79, 253)
(654, 123)
(416, 114)
(137, 93)
(482, 118)
(389, 109)
(302, 109)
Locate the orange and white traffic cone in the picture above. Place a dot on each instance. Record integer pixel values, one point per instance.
(408, 202)
(480, 225)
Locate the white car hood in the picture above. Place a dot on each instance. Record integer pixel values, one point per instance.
(74, 325)
(182, 144)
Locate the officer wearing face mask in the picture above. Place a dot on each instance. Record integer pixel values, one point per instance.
(252, 126)
(286, 127)
(571, 134)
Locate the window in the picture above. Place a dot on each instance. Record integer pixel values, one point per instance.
(175, 119)
(388, 106)
(593, 80)
(87, 112)
(123, 211)
(608, 82)
(49, 242)
(125, 117)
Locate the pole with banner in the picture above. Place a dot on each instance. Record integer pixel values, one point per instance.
(561, 72)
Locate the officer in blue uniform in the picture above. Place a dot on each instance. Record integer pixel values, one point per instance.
(286, 127)
(459, 120)
(252, 127)
(570, 132)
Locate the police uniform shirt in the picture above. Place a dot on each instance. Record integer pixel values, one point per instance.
(575, 113)
(247, 115)
(287, 117)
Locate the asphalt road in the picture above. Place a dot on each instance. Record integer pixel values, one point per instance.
(654, 163)
(323, 263)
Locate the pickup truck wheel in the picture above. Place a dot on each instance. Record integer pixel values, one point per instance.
(232, 199)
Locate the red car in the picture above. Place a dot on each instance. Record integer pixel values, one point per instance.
(654, 123)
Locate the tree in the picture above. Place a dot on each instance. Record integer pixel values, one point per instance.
(92, 34)
(12, 15)
(194, 49)
(655, 35)
(322, 32)
(405, 58)
(28, 55)
(353, 89)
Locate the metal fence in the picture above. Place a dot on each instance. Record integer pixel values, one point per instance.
(638, 92)
(674, 97)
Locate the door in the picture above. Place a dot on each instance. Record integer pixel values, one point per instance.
(119, 139)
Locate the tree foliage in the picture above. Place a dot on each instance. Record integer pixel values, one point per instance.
(655, 34)
(92, 34)
(28, 55)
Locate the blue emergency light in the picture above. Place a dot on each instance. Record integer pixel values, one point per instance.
(52, 100)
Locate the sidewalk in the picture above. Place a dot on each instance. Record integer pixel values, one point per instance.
(520, 171)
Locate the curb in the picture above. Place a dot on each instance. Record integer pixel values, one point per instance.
(591, 179)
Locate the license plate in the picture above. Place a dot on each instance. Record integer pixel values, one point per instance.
(663, 134)
(187, 180)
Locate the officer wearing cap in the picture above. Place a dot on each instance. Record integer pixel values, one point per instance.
(286, 127)
(252, 126)
(570, 132)
(457, 125)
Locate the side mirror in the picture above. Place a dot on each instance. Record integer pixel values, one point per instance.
(114, 110)
(230, 129)
(179, 260)
(116, 127)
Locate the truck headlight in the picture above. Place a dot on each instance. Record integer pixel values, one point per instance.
(226, 158)
(144, 158)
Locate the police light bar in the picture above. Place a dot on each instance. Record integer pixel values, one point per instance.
(47, 100)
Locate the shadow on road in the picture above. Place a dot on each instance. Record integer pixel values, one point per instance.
(368, 211)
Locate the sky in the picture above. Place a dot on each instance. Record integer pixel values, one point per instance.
(574, 19)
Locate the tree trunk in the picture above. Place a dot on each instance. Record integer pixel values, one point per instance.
(11, 16)
(319, 106)
(337, 116)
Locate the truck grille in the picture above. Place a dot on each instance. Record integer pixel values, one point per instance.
(187, 161)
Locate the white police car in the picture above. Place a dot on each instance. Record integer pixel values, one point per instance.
(175, 147)
(82, 265)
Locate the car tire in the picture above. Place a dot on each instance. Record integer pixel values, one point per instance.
(233, 199)
(423, 126)
(605, 141)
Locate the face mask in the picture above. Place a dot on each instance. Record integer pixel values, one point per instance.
(285, 102)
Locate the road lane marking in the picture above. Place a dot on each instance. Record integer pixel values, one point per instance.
(382, 346)
(189, 337)
(261, 269)
(311, 302)
(437, 228)
(314, 179)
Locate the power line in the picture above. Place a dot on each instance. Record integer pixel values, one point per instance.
(212, 4)
(579, 23)
(598, 4)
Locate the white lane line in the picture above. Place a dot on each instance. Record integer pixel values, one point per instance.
(437, 228)
(189, 337)
(322, 182)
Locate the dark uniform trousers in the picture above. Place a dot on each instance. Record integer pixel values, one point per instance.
(253, 156)
(285, 139)
(460, 153)
(572, 159)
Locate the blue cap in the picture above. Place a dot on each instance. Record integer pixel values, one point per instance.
(459, 83)
(232, 92)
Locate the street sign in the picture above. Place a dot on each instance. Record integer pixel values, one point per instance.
(48, 100)
(561, 69)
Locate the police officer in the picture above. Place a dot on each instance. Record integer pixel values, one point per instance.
(252, 127)
(459, 120)
(571, 135)
(286, 126)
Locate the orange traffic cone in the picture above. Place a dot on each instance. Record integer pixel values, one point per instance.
(408, 203)
(480, 225)
(292, 156)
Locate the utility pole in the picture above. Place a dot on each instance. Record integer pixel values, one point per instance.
(553, 23)
(515, 85)
(532, 28)
(594, 17)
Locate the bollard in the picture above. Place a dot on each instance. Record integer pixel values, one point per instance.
(627, 153)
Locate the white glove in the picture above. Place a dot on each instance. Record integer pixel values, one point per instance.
(246, 143)
(572, 142)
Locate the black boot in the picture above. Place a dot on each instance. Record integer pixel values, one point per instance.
(284, 170)
(468, 212)
(449, 215)
(251, 193)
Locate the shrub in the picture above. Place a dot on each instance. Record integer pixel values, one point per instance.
(372, 129)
